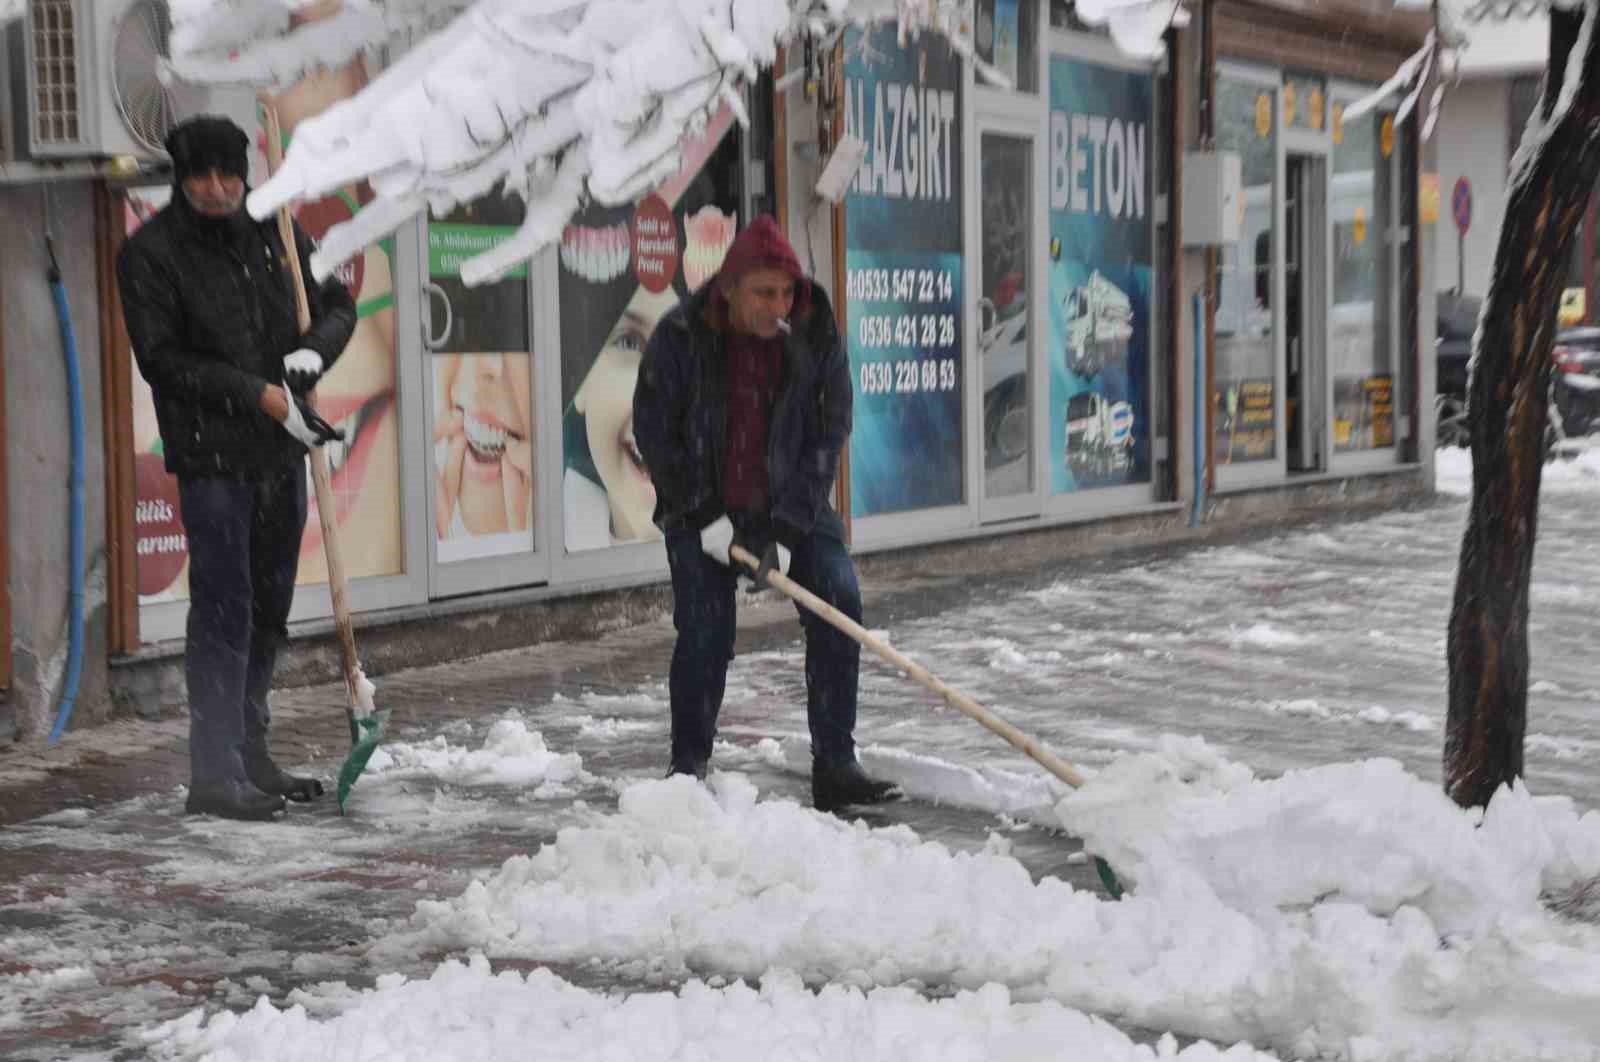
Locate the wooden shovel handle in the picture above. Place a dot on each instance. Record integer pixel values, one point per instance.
(961, 702)
(327, 508)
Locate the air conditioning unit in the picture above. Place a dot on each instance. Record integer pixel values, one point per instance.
(93, 78)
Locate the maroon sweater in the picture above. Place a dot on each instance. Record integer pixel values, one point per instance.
(755, 368)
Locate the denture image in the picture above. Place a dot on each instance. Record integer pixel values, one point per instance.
(708, 234)
(596, 254)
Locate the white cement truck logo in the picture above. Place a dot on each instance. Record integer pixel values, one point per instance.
(1099, 319)
(1099, 436)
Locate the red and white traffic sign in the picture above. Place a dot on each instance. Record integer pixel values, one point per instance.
(1461, 204)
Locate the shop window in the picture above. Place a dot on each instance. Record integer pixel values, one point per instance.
(481, 362)
(1360, 328)
(1248, 118)
(622, 269)
(905, 285)
(1006, 36)
(1101, 286)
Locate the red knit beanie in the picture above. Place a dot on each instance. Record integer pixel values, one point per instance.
(760, 246)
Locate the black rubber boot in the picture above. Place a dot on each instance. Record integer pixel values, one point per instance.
(270, 778)
(697, 769)
(234, 800)
(833, 788)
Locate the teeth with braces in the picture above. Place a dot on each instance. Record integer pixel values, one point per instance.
(596, 254)
(485, 438)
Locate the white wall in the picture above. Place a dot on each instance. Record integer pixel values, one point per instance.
(38, 452)
(1471, 142)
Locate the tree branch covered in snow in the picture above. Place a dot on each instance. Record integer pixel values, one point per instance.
(558, 101)
(561, 102)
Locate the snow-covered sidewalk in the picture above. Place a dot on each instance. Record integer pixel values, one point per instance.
(519, 882)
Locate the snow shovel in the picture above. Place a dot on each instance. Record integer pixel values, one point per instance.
(1019, 740)
(366, 721)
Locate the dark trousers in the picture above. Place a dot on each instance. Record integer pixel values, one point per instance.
(705, 615)
(244, 550)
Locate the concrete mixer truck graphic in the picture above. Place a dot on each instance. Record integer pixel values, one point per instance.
(1099, 436)
(1099, 325)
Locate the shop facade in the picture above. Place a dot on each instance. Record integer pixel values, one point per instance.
(1321, 361)
(1011, 274)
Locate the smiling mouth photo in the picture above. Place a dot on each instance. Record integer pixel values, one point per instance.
(486, 436)
(360, 419)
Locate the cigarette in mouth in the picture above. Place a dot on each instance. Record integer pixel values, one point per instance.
(783, 325)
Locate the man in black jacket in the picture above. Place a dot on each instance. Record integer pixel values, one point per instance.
(209, 301)
(742, 407)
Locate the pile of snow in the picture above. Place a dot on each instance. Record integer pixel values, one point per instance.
(1349, 912)
(465, 1011)
(511, 755)
(1330, 909)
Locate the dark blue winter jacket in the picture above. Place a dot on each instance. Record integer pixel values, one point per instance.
(680, 415)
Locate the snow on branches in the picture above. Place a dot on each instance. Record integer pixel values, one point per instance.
(561, 102)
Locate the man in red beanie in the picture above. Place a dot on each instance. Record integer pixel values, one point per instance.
(741, 410)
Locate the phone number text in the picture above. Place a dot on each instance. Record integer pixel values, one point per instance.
(909, 376)
(900, 285)
(925, 331)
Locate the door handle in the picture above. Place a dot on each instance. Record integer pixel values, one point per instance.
(429, 340)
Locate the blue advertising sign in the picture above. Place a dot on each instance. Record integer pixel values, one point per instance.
(1100, 152)
(903, 283)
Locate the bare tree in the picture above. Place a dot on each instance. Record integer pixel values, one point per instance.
(1553, 176)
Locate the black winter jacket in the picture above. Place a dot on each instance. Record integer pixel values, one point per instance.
(210, 309)
(680, 417)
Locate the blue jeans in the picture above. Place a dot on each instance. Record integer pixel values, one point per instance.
(244, 551)
(705, 615)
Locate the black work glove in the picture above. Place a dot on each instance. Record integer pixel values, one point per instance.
(302, 370)
(304, 424)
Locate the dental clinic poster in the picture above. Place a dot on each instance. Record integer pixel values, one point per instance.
(903, 271)
(1101, 208)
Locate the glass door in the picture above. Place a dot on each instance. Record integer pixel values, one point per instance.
(1305, 311)
(1006, 323)
(481, 433)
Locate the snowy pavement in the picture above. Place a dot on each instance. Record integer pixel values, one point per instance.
(516, 880)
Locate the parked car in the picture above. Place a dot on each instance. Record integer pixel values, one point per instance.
(1457, 319)
(1574, 388)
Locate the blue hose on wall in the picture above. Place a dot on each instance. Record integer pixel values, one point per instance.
(1201, 401)
(69, 692)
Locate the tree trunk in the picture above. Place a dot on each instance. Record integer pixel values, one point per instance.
(1508, 400)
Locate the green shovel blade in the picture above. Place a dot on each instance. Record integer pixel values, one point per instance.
(1108, 877)
(365, 735)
